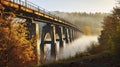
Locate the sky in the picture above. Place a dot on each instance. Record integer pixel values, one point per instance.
(88, 6)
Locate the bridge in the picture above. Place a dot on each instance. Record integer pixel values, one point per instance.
(65, 30)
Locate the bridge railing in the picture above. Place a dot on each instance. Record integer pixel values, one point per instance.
(39, 9)
(34, 7)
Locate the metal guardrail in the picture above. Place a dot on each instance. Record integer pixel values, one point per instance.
(39, 9)
(35, 7)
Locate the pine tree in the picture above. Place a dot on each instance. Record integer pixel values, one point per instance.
(110, 35)
(117, 33)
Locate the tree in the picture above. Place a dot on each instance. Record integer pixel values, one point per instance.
(15, 49)
(108, 32)
(87, 30)
(110, 35)
(117, 33)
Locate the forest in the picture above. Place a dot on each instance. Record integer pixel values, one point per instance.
(18, 51)
(91, 22)
(107, 53)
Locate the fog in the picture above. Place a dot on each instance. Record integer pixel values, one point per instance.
(77, 46)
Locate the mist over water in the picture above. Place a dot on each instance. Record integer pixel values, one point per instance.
(70, 50)
(79, 45)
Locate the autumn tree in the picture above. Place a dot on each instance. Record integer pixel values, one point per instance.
(15, 49)
(87, 30)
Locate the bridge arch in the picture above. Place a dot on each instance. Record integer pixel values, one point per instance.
(59, 32)
(48, 29)
(36, 14)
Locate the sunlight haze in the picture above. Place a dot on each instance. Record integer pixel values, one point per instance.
(76, 5)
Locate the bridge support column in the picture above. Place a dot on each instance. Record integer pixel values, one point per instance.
(59, 31)
(38, 43)
(65, 30)
(73, 36)
(31, 27)
(77, 34)
(51, 30)
(70, 34)
(33, 31)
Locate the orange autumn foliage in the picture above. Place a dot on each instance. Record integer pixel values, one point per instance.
(15, 49)
(87, 30)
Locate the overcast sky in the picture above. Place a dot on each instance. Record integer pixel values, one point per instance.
(76, 5)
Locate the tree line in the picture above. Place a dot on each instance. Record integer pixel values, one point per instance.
(90, 23)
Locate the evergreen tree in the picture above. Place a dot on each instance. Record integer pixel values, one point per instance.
(110, 35)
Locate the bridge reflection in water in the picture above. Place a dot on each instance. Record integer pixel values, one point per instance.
(54, 25)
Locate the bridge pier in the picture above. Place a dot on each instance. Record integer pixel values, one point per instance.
(59, 31)
(31, 27)
(66, 34)
(70, 34)
(38, 43)
(77, 33)
(51, 30)
(21, 10)
(33, 31)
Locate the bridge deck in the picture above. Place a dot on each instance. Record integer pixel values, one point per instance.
(34, 9)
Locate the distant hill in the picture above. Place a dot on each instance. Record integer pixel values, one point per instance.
(90, 23)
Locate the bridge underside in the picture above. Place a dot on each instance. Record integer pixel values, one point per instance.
(65, 31)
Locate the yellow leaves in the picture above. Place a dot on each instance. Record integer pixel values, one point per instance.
(6, 30)
(26, 55)
(20, 57)
(13, 43)
(1, 7)
(3, 49)
(87, 30)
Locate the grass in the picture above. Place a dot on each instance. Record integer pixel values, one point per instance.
(104, 59)
(91, 58)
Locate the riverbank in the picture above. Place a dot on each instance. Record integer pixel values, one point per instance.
(93, 56)
(104, 59)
